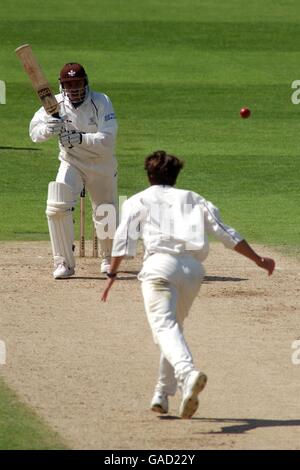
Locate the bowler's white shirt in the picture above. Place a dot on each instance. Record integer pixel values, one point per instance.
(151, 213)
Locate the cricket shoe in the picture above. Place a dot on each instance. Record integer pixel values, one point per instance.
(62, 271)
(160, 403)
(193, 384)
(105, 265)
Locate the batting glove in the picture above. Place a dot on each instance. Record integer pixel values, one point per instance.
(70, 138)
(54, 126)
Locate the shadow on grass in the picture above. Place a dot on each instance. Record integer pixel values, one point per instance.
(21, 148)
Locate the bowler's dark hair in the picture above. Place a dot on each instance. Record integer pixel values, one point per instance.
(163, 168)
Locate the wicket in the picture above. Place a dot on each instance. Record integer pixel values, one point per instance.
(82, 229)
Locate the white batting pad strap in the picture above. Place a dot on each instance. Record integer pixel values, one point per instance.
(60, 221)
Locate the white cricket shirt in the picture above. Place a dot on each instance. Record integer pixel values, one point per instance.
(95, 118)
(170, 220)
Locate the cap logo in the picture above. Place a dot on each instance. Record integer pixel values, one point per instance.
(72, 73)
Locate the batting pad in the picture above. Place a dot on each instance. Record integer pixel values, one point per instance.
(60, 222)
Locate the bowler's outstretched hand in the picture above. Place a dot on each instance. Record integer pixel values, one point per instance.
(115, 263)
(243, 248)
(109, 283)
(268, 264)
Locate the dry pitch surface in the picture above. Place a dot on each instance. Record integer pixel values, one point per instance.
(89, 368)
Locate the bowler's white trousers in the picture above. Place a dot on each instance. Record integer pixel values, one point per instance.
(170, 284)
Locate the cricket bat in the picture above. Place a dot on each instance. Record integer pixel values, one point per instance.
(38, 80)
(82, 224)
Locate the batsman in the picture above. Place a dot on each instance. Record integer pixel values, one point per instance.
(86, 130)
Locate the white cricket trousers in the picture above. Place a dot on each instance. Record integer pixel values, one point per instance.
(101, 189)
(170, 284)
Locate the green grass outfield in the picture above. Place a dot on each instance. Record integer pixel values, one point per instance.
(178, 73)
(21, 428)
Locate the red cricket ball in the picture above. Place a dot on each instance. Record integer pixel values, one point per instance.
(245, 113)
